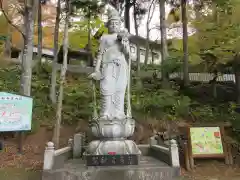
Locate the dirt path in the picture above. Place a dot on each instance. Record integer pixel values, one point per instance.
(19, 174)
(213, 170)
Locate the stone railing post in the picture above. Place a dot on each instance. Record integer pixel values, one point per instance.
(77, 145)
(174, 153)
(70, 143)
(49, 156)
(153, 140)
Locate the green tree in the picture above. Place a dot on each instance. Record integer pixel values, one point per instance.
(217, 34)
(78, 37)
(217, 39)
(90, 10)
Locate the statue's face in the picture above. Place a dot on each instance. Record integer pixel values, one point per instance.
(113, 26)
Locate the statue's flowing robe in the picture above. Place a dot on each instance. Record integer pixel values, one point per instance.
(114, 78)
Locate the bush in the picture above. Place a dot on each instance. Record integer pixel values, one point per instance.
(162, 102)
(203, 113)
(77, 96)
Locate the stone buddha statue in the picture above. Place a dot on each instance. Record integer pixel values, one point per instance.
(113, 126)
(112, 68)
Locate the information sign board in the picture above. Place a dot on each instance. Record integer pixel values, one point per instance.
(15, 112)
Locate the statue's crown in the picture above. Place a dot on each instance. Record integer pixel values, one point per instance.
(113, 14)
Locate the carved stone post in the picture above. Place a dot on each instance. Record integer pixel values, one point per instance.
(153, 140)
(70, 143)
(48, 156)
(77, 145)
(174, 154)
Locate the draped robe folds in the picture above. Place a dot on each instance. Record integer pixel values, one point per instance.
(114, 78)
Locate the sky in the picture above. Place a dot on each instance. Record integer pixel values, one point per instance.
(155, 33)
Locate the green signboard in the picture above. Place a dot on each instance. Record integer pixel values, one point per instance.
(206, 141)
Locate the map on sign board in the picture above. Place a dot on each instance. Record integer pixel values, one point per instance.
(15, 112)
(206, 140)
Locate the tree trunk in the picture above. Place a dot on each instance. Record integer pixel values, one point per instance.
(237, 76)
(127, 15)
(40, 36)
(62, 80)
(138, 48)
(152, 56)
(89, 46)
(147, 45)
(197, 10)
(8, 42)
(149, 19)
(164, 48)
(138, 78)
(185, 43)
(27, 56)
(213, 82)
(54, 63)
(237, 79)
(116, 5)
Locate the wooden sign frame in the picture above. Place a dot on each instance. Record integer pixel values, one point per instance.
(191, 156)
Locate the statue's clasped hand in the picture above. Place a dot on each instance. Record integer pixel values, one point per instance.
(95, 75)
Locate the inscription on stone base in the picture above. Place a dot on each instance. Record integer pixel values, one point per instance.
(112, 160)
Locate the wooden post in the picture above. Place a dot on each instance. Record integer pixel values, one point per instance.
(186, 156)
(49, 156)
(1, 143)
(191, 160)
(20, 142)
(229, 147)
(225, 149)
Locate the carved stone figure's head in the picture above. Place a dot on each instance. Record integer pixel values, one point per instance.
(114, 21)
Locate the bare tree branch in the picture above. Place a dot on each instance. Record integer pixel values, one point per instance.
(9, 21)
(150, 14)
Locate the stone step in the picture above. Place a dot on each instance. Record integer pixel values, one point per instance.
(153, 174)
(148, 169)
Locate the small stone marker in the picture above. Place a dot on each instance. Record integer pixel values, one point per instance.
(112, 160)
